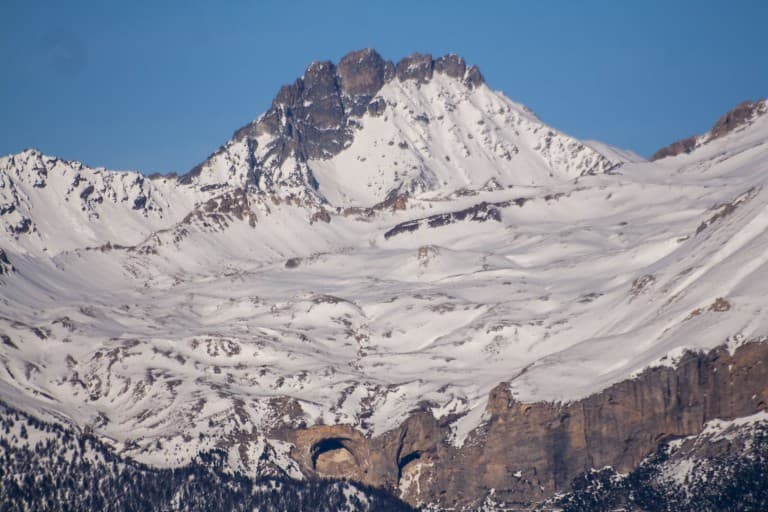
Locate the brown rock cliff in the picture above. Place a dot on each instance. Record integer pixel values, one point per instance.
(528, 451)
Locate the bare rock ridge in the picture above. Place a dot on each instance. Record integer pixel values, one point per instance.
(743, 114)
(314, 117)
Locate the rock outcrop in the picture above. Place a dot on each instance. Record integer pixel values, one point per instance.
(676, 148)
(743, 114)
(481, 212)
(5, 265)
(526, 452)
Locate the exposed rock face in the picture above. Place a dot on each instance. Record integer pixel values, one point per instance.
(744, 113)
(5, 265)
(481, 212)
(415, 67)
(528, 451)
(454, 66)
(361, 75)
(236, 204)
(451, 65)
(676, 148)
(422, 67)
(314, 112)
(474, 78)
(307, 117)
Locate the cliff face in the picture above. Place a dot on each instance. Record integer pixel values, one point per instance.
(526, 452)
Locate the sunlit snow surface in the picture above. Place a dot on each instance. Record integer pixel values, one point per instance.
(189, 336)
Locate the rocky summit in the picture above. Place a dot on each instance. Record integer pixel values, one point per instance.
(396, 288)
(315, 117)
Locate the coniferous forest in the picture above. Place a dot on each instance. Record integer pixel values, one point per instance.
(735, 481)
(46, 467)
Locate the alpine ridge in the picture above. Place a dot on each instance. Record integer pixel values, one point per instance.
(401, 277)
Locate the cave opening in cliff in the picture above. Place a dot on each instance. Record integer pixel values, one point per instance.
(405, 463)
(333, 456)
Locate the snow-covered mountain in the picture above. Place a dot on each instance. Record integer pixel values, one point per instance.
(386, 239)
(353, 134)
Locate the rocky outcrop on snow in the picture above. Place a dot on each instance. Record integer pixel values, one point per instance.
(5, 266)
(742, 115)
(477, 213)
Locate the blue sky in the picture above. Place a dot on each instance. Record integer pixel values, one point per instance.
(157, 86)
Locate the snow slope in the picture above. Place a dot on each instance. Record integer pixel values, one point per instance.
(443, 136)
(170, 317)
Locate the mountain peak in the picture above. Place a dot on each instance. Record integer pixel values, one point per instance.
(432, 124)
(313, 118)
(355, 80)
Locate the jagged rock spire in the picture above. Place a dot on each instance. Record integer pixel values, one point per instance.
(316, 108)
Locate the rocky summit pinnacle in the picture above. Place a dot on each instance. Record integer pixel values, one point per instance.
(314, 112)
